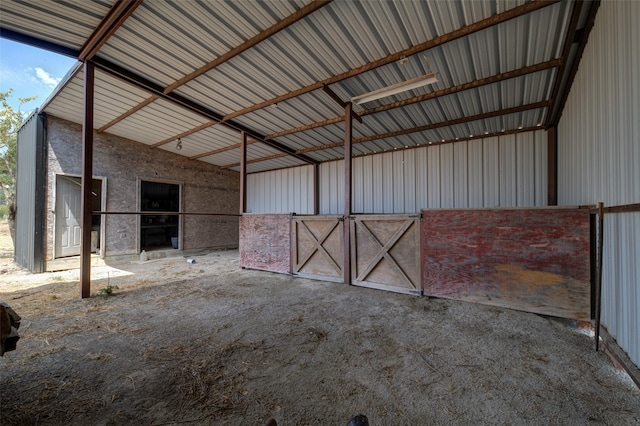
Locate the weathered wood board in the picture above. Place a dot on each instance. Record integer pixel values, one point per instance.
(265, 241)
(535, 260)
(317, 247)
(385, 252)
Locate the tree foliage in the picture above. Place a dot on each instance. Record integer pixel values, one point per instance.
(10, 121)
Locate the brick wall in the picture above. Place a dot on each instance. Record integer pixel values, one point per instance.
(205, 188)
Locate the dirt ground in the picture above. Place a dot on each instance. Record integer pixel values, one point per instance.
(210, 343)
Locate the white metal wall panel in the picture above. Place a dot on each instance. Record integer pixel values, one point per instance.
(507, 166)
(446, 176)
(476, 190)
(540, 168)
(491, 172)
(422, 177)
(460, 172)
(599, 157)
(409, 190)
(281, 191)
(433, 176)
(506, 171)
(525, 149)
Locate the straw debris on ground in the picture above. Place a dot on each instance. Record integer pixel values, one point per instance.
(209, 343)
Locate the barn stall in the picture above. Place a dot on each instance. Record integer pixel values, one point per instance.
(433, 105)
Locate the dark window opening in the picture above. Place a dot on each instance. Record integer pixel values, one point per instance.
(159, 230)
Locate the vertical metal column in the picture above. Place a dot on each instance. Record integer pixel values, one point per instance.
(243, 172)
(552, 167)
(87, 176)
(316, 189)
(348, 121)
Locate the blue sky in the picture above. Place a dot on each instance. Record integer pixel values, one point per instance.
(30, 71)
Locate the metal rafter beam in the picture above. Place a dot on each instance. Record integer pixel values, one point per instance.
(39, 43)
(176, 99)
(553, 121)
(127, 114)
(462, 120)
(483, 116)
(219, 150)
(433, 95)
(284, 23)
(445, 38)
(333, 95)
(183, 134)
(117, 15)
(566, 50)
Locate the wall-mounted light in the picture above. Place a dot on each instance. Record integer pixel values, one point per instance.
(179, 144)
(396, 88)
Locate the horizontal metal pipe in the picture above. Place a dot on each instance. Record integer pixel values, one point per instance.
(154, 213)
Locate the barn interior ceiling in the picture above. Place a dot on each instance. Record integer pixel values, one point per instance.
(201, 72)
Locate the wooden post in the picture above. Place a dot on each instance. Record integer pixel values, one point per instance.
(87, 177)
(243, 172)
(348, 121)
(552, 167)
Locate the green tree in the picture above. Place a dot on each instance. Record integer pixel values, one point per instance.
(10, 122)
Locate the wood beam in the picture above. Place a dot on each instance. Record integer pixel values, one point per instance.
(576, 63)
(117, 15)
(183, 134)
(566, 50)
(428, 96)
(445, 38)
(284, 23)
(86, 181)
(129, 113)
(348, 154)
(243, 172)
(176, 99)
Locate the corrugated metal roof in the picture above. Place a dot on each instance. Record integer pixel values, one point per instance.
(162, 42)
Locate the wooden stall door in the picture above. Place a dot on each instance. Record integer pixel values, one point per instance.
(534, 260)
(317, 247)
(385, 252)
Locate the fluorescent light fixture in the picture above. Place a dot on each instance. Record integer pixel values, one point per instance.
(396, 88)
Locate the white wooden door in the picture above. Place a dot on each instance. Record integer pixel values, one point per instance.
(68, 233)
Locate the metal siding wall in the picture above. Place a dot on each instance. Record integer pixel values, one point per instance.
(433, 179)
(507, 158)
(409, 192)
(26, 194)
(460, 179)
(397, 193)
(506, 171)
(491, 172)
(446, 176)
(540, 168)
(599, 158)
(475, 159)
(387, 183)
(281, 191)
(357, 192)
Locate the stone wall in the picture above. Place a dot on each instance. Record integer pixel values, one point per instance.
(205, 188)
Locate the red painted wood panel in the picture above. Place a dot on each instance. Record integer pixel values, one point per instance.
(536, 260)
(265, 242)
